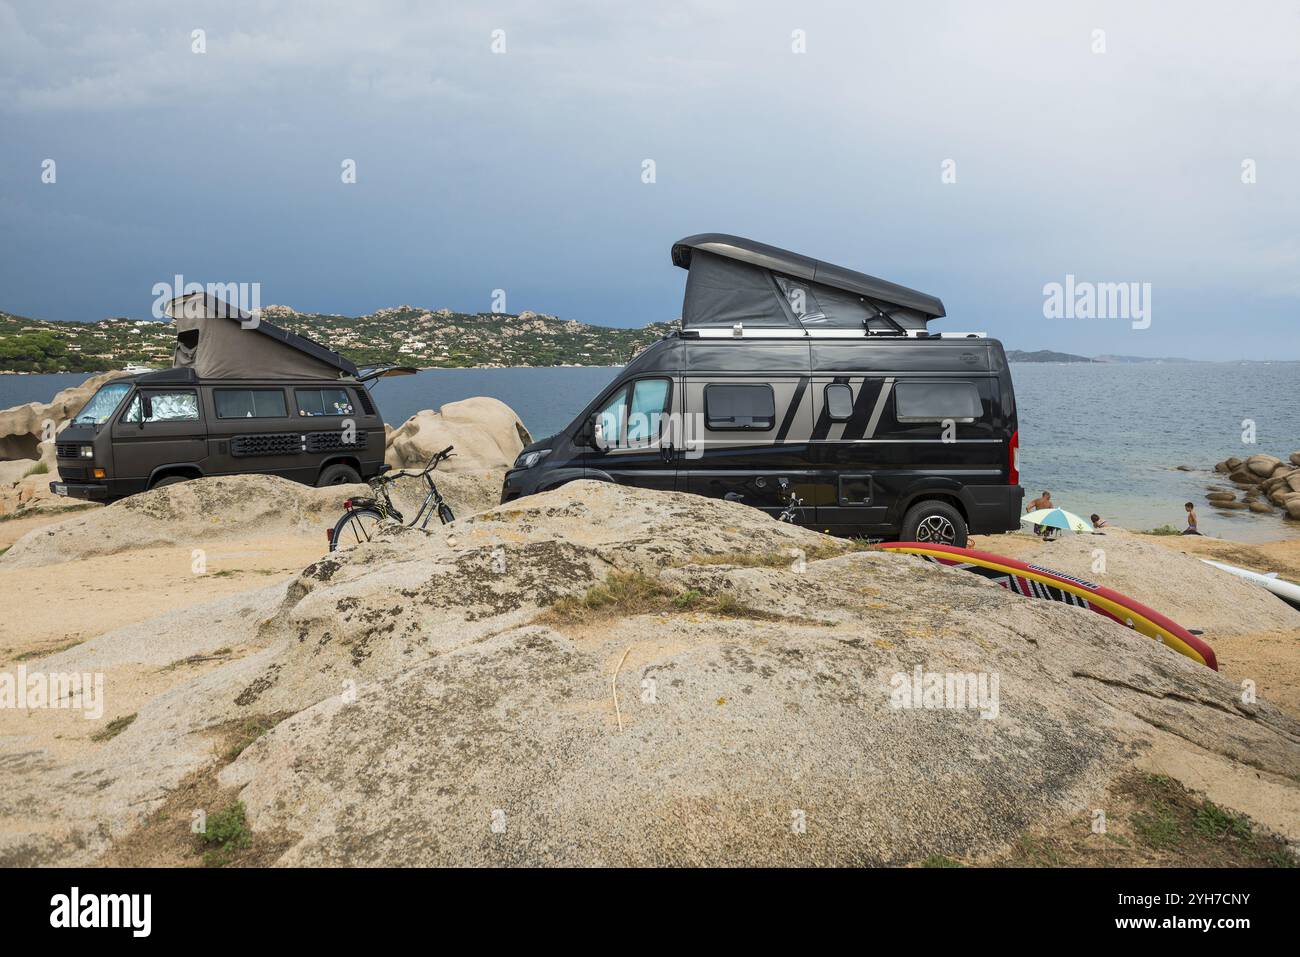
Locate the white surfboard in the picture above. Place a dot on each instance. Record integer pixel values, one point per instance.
(1289, 592)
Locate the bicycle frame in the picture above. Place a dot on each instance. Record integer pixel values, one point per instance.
(433, 499)
(428, 508)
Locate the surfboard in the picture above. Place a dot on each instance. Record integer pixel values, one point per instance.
(1289, 592)
(1035, 581)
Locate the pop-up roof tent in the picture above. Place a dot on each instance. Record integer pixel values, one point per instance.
(220, 341)
(733, 280)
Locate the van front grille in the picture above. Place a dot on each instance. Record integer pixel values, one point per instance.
(67, 451)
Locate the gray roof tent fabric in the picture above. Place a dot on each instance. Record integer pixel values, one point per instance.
(721, 292)
(219, 341)
(732, 279)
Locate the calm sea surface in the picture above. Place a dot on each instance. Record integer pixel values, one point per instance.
(1102, 438)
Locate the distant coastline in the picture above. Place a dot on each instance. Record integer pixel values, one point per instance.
(402, 335)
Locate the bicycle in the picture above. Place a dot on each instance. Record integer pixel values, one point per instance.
(361, 516)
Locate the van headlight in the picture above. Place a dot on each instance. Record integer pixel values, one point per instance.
(527, 460)
(87, 451)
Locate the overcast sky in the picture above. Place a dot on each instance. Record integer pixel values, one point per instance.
(523, 170)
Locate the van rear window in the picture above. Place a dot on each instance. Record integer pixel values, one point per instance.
(739, 407)
(937, 401)
(323, 402)
(250, 403)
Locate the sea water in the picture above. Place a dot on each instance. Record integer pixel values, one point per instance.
(1104, 438)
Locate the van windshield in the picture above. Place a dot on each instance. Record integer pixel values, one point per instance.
(102, 404)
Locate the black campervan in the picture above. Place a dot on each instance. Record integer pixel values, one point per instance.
(813, 392)
(243, 396)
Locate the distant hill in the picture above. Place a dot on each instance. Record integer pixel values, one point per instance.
(1047, 355)
(1044, 355)
(402, 334)
(1140, 359)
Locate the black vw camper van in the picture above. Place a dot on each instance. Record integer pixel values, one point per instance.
(243, 396)
(809, 391)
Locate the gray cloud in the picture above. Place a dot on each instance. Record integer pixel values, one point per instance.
(522, 170)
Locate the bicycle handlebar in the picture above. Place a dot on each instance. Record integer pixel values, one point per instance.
(438, 457)
(433, 463)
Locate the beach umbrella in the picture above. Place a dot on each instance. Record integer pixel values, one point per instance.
(1058, 518)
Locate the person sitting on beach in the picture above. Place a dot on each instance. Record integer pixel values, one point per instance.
(1043, 501)
(1097, 521)
(1191, 520)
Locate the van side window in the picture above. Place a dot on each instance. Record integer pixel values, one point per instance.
(649, 401)
(739, 407)
(624, 425)
(937, 401)
(611, 419)
(323, 402)
(839, 402)
(167, 407)
(250, 403)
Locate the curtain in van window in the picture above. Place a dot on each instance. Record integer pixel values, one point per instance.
(167, 407)
(611, 419)
(649, 397)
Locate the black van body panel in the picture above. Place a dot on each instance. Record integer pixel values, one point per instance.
(745, 356)
(856, 474)
(263, 432)
(961, 356)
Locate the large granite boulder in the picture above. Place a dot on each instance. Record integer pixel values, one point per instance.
(1262, 465)
(486, 432)
(27, 459)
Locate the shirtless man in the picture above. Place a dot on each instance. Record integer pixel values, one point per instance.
(1043, 501)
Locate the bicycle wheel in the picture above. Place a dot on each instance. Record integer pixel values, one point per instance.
(444, 513)
(356, 526)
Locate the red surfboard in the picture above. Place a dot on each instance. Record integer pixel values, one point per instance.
(1021, 578)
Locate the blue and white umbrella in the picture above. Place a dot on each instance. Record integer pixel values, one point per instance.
(1058, 518)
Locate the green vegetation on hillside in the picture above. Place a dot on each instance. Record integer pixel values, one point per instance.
(39, 352)
(405, 335)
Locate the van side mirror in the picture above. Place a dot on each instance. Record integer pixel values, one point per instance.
(146, 408)
(594, 433)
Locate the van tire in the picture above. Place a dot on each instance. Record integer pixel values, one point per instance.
(169, 480)
(934, 522)
(338, 475)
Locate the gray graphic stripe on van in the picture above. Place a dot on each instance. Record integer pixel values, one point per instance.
(792, 409)
(856, 425)
(823, 427)
(880, 407)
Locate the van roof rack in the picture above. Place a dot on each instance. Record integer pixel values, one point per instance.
(740, 331)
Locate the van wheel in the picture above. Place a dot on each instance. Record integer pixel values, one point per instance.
(169, 480)
(338, 475)
(934, 523)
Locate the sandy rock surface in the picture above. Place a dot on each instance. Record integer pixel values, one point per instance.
(433, 707)
(215, 509)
